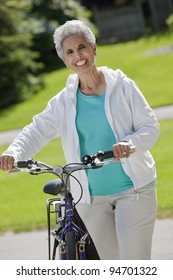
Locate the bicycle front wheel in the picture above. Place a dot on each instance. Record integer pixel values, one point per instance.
(71, 245)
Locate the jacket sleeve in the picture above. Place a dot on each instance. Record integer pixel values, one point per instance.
(45, 127)
(146, 128)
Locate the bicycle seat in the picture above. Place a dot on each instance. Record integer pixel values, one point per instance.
(54, 187)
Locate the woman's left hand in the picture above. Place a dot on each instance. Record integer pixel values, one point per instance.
(121, 150)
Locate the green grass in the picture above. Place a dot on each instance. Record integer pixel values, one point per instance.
(151, 73)
(163, 156)
(23, 203)
(21, 114)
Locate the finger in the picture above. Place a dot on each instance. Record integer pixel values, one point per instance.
(125, 151)
(117, 152)
(121, 150)
(6, 163)
(10, 162)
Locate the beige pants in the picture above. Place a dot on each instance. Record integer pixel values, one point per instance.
(122, 225)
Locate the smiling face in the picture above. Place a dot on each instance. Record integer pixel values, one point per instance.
(79, 55)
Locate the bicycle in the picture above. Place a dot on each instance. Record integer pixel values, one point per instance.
(70, 234)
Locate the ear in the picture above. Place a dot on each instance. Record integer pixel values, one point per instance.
(95, 49)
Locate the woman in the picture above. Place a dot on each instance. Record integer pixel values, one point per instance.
(100, 108)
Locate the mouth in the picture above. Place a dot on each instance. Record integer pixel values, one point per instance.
(81, 62)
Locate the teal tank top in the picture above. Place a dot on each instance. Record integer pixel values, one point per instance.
(95, 134)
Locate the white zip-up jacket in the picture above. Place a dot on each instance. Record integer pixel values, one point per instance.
(128, 113)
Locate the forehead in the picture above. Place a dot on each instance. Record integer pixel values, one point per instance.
(72, 40)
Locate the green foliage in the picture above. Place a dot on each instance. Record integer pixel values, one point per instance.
(109, 3)
(17, 65)
(169, 22)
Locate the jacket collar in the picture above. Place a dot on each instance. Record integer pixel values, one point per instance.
(112, 77)
(72, 85)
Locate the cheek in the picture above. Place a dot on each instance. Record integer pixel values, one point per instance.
(66, 61)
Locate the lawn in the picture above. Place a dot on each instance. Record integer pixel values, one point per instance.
(22, 201)
(164, 159)
(152, 73)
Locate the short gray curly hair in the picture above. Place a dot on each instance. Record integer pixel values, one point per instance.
(69, 28)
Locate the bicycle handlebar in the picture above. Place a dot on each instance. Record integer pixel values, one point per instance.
(101, 156)
(94, 161)
(23, 163)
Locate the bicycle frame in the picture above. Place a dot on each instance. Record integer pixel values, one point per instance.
(64, 210)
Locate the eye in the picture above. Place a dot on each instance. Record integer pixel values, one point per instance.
(81, 46)
(69, 51)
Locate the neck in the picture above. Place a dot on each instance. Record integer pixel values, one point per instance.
(92, 82)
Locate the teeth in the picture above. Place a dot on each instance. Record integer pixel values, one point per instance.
(81, 62)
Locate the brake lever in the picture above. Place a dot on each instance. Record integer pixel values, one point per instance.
(37, 171)
(18, 170)
(96, 163)
(99, 163)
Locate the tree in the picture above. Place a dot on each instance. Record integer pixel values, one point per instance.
(17, 65)
(53, 13)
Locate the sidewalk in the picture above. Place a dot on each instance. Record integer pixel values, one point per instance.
(33, 245)
(162, 113)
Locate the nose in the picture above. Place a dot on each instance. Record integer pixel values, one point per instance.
(77, 54)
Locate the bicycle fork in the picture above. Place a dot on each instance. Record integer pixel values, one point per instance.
(70, 226)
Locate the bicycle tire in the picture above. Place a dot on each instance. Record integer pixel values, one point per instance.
(71, 246)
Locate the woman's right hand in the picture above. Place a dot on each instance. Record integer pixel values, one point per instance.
(6, 162)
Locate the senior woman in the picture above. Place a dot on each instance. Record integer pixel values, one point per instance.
(100, 109)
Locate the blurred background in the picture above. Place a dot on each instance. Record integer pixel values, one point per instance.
(133, 35)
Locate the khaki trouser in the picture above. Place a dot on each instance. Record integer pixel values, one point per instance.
(122, 225)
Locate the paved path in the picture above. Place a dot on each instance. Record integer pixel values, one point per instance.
(165, 112)
(33, 245)
(6, 137)
(162, 113)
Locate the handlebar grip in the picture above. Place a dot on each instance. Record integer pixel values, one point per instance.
(22, 163)
(109, 154)
(102, 155)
